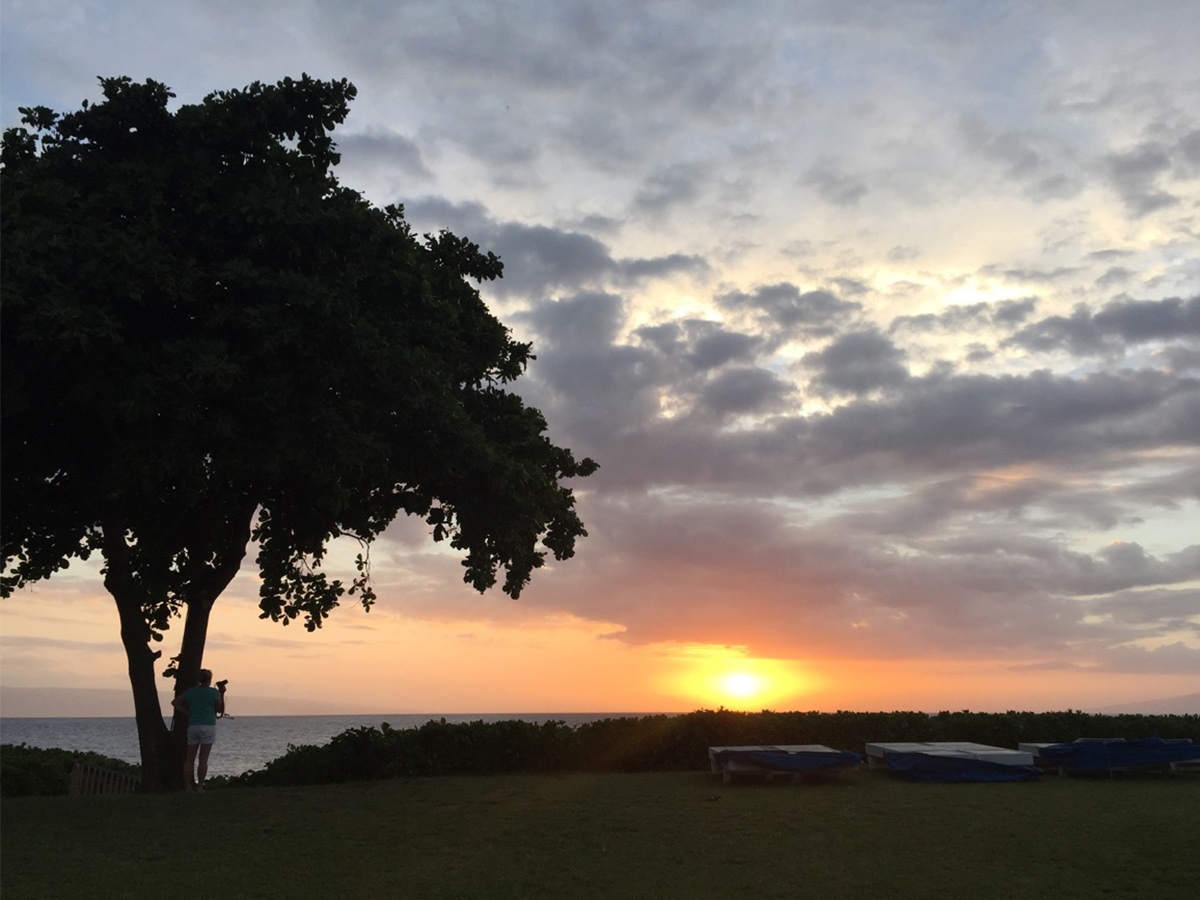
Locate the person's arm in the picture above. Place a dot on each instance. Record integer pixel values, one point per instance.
(180, 704)
(220, 707)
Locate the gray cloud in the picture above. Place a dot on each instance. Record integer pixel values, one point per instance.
(596, 224)
(1116, 324)
(663, 266)
(668, 188)
(716, 347)
(968, 317)
(948, 423)
(1033, 276)
(1174, 609)
(1109, 255)
(1135, 174)
(743, 391)
(539, 259)
(808, 313)
(1181, 359)
(811, 588)
(377, 148)
(935, 425)
(1046, 169)
(857, 363)
(1189, 151)
(587, 320)
(903, 254)
(1013, 312)
(834, 185)
(536, 258)
(702, 343)
(1115, 275)
(1169, 658)
(853, 286)
(1078, 333)
(1136, 321)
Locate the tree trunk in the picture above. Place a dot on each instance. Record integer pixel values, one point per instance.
(154, 740)
(191, 655)
(163, 750)
(206, 584)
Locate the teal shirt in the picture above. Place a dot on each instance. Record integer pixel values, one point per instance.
(202, 705)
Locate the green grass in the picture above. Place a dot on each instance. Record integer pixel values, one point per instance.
(866, 836)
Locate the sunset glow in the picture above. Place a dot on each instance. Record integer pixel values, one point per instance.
(885, 337)
(722, 676)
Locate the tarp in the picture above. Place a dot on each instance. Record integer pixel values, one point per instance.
(945, 767)
(782, 761)
(1101, 756)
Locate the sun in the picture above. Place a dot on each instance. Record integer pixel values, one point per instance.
(743, 685)
(725, 676)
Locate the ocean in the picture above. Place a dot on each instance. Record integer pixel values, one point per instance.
(243, 743)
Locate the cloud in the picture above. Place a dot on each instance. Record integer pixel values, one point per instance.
(668, 188)
(380, 148)
(700, 343)
(944, 559)
(1135, 174)
(743, 391)
(1115, 325)
(979, 421)
(742, 573)
(1169, 658)
(1038, 161)
(1188, 150)
(537, 258)
(968, 318)
(635, 270)
(834, 185)
(540, 259)
(1034, 276)
(578, 323)
(791, 311)
(901, 253)
(26, 642)
(882, 354)
(1137, 321)
(1115, 275)
(1175, 609)
(857, 363)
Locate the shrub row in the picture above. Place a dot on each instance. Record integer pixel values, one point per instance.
(34, 771)
(664, 743)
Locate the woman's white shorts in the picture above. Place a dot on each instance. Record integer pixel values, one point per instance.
(202, 734)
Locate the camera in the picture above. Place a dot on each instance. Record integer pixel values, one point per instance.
(221, 684)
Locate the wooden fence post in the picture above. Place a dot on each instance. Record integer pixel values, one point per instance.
(89, 779)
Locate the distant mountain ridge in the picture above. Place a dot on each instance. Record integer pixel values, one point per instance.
(79, 703)
(1184, 705)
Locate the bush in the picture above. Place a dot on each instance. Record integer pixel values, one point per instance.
(668, 743)
(35, 771)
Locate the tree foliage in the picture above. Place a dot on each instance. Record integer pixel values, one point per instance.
(208, 339)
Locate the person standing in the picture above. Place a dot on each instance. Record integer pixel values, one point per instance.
(202, 704)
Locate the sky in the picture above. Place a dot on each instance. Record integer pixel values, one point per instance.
(882, 320)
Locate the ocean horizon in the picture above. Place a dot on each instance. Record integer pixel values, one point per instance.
(246, 743)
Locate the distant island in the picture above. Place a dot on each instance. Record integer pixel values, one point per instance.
(77, 703)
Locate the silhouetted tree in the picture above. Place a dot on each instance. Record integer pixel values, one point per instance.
(208, 343)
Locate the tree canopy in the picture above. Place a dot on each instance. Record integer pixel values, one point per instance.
(208, 342)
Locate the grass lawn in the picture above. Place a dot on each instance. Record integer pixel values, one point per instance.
(662, 835)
